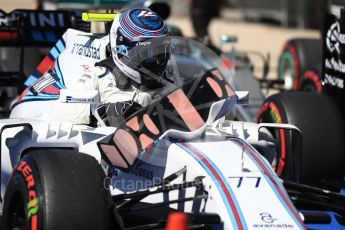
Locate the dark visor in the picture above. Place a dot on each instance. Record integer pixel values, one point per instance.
(148, 51)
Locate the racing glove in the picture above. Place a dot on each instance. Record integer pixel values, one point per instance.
(114, 114)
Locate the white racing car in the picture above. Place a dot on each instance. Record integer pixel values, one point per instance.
(177, 154)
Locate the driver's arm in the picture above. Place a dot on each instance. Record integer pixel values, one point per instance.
(75, 113)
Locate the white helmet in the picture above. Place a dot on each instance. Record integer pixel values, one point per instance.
(140, 45)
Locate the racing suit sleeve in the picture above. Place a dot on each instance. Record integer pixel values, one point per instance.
(75, 113)
(111, 93)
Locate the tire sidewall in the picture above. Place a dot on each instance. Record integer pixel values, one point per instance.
(70, 190)
(302, 54)
(273, 112)
(311, 81)
(26, 181)
(322, 156)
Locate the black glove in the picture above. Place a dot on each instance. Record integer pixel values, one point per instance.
(114, 114)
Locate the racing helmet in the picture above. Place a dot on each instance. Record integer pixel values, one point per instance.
(140, 45)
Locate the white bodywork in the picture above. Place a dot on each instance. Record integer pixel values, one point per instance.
(241, 186)
(251, 186)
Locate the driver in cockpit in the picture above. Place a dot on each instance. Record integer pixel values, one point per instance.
(140, 50)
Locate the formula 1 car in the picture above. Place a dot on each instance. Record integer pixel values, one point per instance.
(177, 154)
(316, 66)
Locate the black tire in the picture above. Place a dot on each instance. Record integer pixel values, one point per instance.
(317, 116)
(299, 55)
(311, 81)
(57, 189)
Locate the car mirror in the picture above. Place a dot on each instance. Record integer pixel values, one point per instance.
(288, 158)
(242, 97)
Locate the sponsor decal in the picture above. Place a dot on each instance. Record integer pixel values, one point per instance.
(32, 205)
(122, 49)
(334, 55)
(145, 13)
(267, 218)
(334, 81)
(276, 187)
(51, 19)
(35, 19)
(86, 50)
(333, 38)
(143, 43)
(70, 99)
(142, 172)
(273, 226)
(8, 26)
(334, 64)
(4, 19)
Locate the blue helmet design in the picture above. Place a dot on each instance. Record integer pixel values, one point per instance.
(142, 23)
(139, 39)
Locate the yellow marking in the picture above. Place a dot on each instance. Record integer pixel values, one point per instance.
(98, 17)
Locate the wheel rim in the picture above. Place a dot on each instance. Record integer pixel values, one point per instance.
(288, 74)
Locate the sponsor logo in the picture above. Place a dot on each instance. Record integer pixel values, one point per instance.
(267, 218)
(332, 39)
(270, 222)
(70, 99)
(337, 65)
(4, 19)
(142, 172)
(334, 81)
(32, 205)
(41, 19)
(143, 43)
(85, 50)
(145, 13)
(273, 226)
(51, 19)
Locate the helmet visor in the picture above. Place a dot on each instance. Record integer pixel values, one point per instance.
(152, 54)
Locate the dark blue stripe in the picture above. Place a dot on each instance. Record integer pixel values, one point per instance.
(50, 36)
(37, 35)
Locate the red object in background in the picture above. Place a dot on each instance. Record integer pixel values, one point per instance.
(226, 63)
(177, 221)
(5, 35)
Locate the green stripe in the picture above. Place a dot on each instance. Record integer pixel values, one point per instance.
(286, 56)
